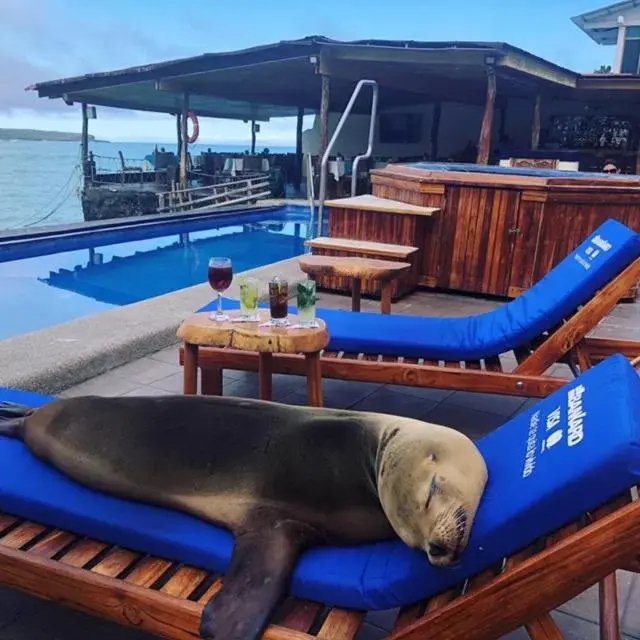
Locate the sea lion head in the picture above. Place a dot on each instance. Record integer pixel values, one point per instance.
(430, 482)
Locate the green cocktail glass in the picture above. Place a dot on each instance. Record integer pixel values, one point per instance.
(306, 300)
(249, 293)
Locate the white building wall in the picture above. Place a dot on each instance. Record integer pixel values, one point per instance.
(459, 125)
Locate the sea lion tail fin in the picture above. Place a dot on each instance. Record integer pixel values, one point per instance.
(12, 417)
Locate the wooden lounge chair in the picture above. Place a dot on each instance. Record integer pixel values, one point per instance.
(563, 339)
(166, 598)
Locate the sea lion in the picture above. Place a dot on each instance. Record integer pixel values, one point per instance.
(280, 477)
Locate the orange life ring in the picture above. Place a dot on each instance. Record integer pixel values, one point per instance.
(196, 127)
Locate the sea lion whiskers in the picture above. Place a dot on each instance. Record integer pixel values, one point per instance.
(430, 480)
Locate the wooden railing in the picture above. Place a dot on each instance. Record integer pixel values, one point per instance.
(248, 189)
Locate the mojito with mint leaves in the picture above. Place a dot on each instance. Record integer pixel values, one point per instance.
(249, 293)
(306, 298)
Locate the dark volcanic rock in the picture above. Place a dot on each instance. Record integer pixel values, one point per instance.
(103, 203)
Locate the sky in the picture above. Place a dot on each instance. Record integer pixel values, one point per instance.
(47, 39)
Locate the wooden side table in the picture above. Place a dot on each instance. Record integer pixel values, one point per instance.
(359, 269)
(199, 330)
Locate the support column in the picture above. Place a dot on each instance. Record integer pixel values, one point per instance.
(84, 145)
(253, 137)
(435, 129)
(324, 116)
(484, 144)
(179, 133)
(622, 34)
(299, 149)
(183, 148)
(535, 127)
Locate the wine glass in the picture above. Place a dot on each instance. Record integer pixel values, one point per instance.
(220, 274)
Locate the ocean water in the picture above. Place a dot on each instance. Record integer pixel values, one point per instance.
(40, 181)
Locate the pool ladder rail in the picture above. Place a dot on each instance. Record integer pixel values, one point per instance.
(367, 154)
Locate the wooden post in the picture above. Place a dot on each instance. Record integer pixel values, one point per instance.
(484, 144)
(183, 148)
(253, 137)
(84, 145)
(324, 117)
(535, 128)
(299, 149)
(435, 129)
(179, 133)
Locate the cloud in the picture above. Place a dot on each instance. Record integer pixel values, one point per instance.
(43, 40)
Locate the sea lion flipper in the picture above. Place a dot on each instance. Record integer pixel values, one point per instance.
(12, 417)
(260, 569)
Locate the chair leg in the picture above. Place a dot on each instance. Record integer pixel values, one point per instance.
(544, 628)
(609, 619)
(607, 588)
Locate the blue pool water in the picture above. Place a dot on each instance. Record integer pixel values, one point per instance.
(59, 277)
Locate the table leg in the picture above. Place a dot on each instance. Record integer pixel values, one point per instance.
(265, 369)
(211, 382)
(385, 298)
(314, 379)
(356, 288)
(190, 383)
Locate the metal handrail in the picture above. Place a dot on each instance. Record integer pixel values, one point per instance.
(311, 195)
(334, 137)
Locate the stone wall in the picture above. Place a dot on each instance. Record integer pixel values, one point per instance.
(103, 203)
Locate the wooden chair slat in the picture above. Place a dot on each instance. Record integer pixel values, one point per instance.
(408, 615)
(493, 364)
(82, 553)
(481, 580)
(298, 615)
(521, 353)
(115, 562)
(6, 521)
(22, 535)
(341, 625)
(184, 582)
(147, 571)
(53, 543)
(216, 585)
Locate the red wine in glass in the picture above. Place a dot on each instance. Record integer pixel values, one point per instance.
(220, 275)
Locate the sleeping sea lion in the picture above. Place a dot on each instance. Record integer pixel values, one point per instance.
(280, 477)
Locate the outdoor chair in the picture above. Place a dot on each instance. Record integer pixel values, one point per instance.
(557, 516)
(548, 324)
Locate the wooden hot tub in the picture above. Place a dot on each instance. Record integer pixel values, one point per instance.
(498, 229)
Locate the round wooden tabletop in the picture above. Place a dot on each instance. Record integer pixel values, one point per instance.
(199, 329)
(352, 267)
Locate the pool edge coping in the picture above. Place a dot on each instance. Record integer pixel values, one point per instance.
(53, 359)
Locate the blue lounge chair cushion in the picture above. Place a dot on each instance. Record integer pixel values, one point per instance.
(568, 454)
(572, 282)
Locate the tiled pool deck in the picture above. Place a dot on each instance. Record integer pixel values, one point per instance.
(25, 618)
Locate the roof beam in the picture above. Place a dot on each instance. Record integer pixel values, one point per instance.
(134, 105)
(538, 68)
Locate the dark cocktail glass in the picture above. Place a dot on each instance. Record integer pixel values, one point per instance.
(220, 275)
(278, 300)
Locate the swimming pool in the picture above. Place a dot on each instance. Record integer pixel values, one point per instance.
(58, 277)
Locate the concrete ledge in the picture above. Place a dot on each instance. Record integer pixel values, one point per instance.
(54, 359)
